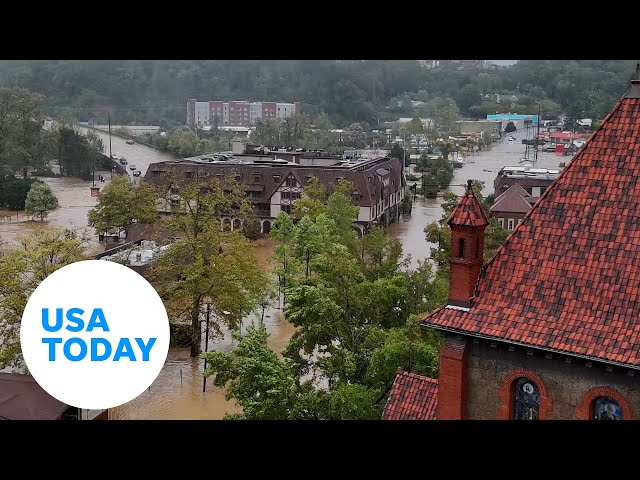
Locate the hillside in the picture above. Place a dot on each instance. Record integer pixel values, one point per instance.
(156, 91)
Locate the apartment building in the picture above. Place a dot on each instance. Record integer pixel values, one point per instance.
(274, 185)
(237, 113)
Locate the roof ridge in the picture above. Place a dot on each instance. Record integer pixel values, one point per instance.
(417, 375)
(513, 191)
(552, 187)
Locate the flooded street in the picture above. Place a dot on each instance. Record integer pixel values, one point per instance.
(483, 166)
(177, 393)
(75, 201)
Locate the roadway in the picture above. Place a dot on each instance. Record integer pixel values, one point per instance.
(139, 155)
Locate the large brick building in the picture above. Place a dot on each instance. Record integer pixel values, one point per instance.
(549, 328)
(274, 186)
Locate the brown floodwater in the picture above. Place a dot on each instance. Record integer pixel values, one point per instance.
(177, 392)
(75, 200)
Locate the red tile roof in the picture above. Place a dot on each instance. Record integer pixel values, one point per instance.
(469, 212)
(567, 278)
(412, 397)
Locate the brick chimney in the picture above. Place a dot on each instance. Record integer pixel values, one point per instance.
(467, 223)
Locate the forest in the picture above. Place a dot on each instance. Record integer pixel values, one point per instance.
(364, 91)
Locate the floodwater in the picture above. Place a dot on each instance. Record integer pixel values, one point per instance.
(483, 166)
(177, 393)
(75, 200)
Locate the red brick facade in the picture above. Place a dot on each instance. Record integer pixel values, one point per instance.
(268, 110)
(452, 380)
(467, 244)
(506, 394)
(239, 113)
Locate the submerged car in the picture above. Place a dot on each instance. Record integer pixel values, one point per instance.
(137, 173)
(129, 142)
(132, 167)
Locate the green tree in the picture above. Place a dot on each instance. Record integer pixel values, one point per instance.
(446, 118)
(415, 127)
(398, 152)
(283, 232)
(121, 204)
(22, 269)
(14, 191)
(312, 202)
(21, 120)
(309, 237)
(76, 154)
(40, 200)
(207, 264)
(468, 96)
(265, 387)
(183, 142)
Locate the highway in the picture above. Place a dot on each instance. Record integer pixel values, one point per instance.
(138, 155)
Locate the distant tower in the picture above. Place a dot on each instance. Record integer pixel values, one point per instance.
(467, 223)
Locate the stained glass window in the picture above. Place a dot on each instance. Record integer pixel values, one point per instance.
(605, 408)
(526, 400)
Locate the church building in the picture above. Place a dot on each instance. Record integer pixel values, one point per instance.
(549, 327)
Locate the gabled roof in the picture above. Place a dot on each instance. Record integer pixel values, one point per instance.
(567, 278)
(469, 212)
(515, 199)
(412, 397)
(21, 398)
(364, 177)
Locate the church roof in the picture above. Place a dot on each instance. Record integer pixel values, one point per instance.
(469, 212)
(412, 397)
(567, 279)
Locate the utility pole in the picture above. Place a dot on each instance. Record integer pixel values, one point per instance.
(109, 117)
(404, 148)
(206, 349)
(535, 154)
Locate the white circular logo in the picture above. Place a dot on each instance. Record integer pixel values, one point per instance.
(95, 334)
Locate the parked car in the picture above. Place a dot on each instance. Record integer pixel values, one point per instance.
(129, 142)
(137, 173)
(132, 167)
(551, 147)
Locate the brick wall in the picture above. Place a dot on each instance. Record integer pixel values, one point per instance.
(465, 270)
(452, 379)
(570, 387)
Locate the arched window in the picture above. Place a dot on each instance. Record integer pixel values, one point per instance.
(526, 400)
(606, 408)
